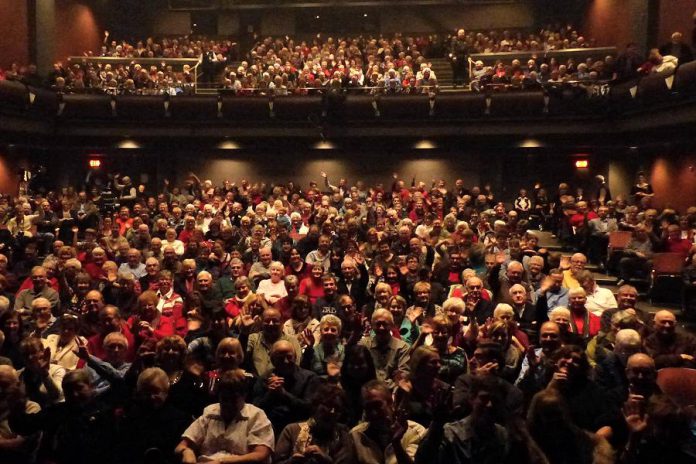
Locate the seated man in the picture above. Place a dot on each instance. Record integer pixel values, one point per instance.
(385, 437)
(230, 429)
(534, 365)
(476, 438)
(259, 344)
(40, 288)
(15, 448)
(390, 355)
(668, 347)
(577, 265)
(488, 360)
(610, 373)
(284, 393)
(598, 299)
(554, 291)
(529, 316)
(582, 322)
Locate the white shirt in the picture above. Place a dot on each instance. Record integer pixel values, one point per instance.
(215, 441)
(272, 292)
(600, 300)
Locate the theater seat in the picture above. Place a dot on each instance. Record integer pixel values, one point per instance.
(653, 90)
(517, 104)
(245, 109)
(140, 107)
(454, 106)
(87, 107)
(685, 79)
(14, 96)
(401, 107)
(193, 108)
(297, 108)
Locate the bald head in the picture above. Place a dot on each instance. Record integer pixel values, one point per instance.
(640, 360)
(514, 271)
(665, 323)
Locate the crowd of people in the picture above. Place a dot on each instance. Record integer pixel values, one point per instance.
(331, 323)
(285, 65)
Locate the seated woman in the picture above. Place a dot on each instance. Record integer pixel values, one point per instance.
(405, 327)
(64, 345)
(234, 305)
(301, 320)
(42, 381)
(229, 356)
(202, 349)
(312, 286)
(148, 322)
(185, 388)
(504, 312)
(273, 289)
(499, 332)
(420, 393)
(316, 357)
(228, 430)
(150, 428)
(322, 438)
(453, 361)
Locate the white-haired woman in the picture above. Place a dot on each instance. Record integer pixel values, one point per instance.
(273, 289)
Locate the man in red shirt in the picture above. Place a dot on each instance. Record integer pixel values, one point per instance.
(582, 216)
(673, 243)
(582, 321)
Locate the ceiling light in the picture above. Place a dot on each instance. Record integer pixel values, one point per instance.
(228, 145)
(324, 145)
(128, 144)
(425, 144)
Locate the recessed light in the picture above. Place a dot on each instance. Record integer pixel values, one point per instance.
(228, 145)
(425, 144)
(128, 144)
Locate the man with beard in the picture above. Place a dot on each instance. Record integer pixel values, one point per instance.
(385, 436)
(668, 347)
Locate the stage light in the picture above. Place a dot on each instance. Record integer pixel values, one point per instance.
(228, 145)
(324, 145)
(95, 163)
(425, 144)
(530, 143)
(582, 164)
(128, 144)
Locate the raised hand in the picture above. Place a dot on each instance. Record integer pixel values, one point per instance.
(634, 414)
(308, 337)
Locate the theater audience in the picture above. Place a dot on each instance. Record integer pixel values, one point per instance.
(381, 345)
